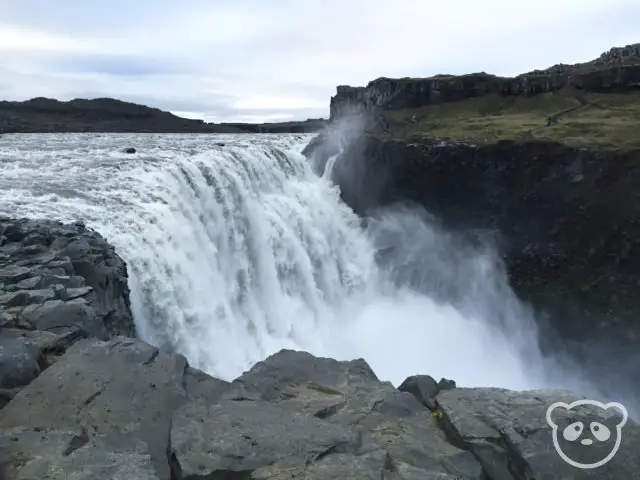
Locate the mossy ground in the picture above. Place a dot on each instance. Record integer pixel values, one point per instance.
(591, 120)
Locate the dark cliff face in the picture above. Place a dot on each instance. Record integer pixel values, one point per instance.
(567, 219)
(392, 94)
(615, 70)
(566, 216)
(545, 165)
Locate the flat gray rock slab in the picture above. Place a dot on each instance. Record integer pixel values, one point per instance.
(123, 387)
(65, 454)
(255, 439)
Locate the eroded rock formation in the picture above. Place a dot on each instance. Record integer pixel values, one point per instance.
(618, 69)
(59, 278)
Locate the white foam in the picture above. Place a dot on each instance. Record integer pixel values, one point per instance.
(238, 251)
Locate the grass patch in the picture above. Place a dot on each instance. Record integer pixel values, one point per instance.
(583, 119)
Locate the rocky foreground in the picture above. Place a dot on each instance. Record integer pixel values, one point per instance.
(84, 399)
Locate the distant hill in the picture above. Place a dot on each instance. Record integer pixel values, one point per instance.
(307, 126)
(46, 115)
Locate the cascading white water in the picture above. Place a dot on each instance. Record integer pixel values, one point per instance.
(239, 250)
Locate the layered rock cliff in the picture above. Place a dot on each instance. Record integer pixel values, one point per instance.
(618, 69)
(58, 283)
(567, 219)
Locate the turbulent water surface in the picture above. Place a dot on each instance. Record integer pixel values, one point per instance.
(236, 249)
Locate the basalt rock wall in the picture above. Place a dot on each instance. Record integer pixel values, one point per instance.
(615, 70)
(566, 218)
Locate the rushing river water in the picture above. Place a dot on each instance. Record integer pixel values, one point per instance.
(236, 249)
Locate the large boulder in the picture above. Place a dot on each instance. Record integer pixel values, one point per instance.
(124, 409)
(297, 413)
(24, 354)
(124, 388)
(60, 277)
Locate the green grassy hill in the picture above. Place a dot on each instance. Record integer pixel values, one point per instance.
(604, 120)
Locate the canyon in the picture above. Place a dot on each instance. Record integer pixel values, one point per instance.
(545, 166)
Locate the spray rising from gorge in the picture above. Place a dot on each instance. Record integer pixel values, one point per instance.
(237, 251)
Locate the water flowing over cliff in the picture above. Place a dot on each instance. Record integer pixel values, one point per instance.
(237, 251)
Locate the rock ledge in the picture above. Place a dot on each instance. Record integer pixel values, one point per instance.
(124, 409)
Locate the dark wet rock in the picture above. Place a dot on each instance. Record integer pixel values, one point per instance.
(13, 274)
(59, 316)
(30, 283)
(24, 354)
(234, 438)
(45, 346)
(221, 144)
(118, 398)
(198, 384)
(130, 150)
(59, 277)
(5, 318)
(22, 298)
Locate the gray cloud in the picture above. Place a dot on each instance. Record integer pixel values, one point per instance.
(230, 60)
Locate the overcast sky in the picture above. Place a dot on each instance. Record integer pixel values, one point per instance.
(272, 60)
